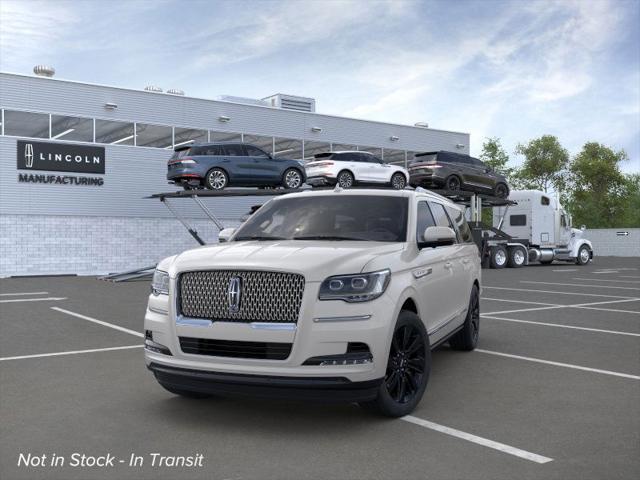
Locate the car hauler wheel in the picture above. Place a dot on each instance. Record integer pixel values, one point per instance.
(517, 257)
(408, 369)
(584, 255)
(499, 257)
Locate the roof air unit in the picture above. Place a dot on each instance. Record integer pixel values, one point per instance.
(153, 88)
(175, 91)
(292, 102)
(44, 71)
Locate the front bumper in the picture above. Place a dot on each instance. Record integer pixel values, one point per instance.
(321, 389)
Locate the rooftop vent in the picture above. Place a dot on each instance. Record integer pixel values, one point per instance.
(421, 124)
(291, 102)
(153, 88)
(175, 91)
(44, 71)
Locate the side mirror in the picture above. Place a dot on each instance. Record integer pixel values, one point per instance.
(437, 237)
(225, 234)
(583, 227)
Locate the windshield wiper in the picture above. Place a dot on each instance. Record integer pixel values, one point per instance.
(258, 237)
(327, 237)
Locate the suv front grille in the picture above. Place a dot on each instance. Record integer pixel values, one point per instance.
(264, 296)
(235, 349)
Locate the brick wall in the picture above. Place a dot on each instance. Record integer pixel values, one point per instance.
(607, 242)
(51, 245)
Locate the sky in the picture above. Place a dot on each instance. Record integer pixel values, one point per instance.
(509, 69)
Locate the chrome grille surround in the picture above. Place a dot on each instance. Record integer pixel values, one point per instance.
(265, 297)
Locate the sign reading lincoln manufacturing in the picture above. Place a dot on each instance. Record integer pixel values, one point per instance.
(60, 157)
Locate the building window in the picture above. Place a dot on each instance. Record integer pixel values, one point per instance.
(115, 133)
(183, 136)
(343, 147)
(26, 124)
(396, 157)
(225, 137)
(264, 143)
(157, 136)
(375, 150)
(288, 148)
(73, 129)
(312, 148)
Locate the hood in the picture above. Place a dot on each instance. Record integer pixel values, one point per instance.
(316, 260)
(577, 232)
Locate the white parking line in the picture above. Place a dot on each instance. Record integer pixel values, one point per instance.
(527, 309)
(22, 293)
(589, 306)
(606, 280)
(581, 285)
(559, 364)
(518, 301)
(629, 276)
(47, 299)
(559, 293)
(533, 457)
(72, 352)
(597, 330)
(566, 270)
(99, 322)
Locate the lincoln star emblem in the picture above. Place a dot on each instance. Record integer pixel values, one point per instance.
(234, 294)
(28, 155)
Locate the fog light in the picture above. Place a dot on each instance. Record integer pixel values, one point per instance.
(152, 346)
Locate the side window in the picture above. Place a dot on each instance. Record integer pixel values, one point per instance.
(544, 201)
(440, 216)
(424, 220)
(234, 150)
(210, 150)
(254, 151)
(464, 232)
(517, 220)
(563, 220)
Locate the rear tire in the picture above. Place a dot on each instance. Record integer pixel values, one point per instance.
(467, 338)
(499, 257)
(453, 183)
(345, 179)
(217, 179)
(408, 369)
(501, 191)
(517, 257)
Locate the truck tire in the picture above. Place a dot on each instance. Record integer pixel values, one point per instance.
(584, 255)
(467, 338)
(517, 257)
(498, 257)
(408, 369)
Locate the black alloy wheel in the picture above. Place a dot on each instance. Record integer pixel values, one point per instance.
(453, 183)
(345, 179)
(407, 370)
(501, 191)
(467, 337)
(398, 181)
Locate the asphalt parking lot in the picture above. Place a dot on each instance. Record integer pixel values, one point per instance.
(553, 391)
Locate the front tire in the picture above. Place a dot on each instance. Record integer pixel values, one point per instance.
(584, 255)
(292, 178)
(345, 179)
(217, 179)
(467, 338)
(408, 369)
(517, 257)
(501, 191)
(398, 181)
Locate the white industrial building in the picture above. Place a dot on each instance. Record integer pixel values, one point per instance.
(89, 216)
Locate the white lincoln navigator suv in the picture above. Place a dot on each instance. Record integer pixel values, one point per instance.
(320, 295)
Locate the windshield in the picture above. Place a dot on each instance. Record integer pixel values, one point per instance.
(375, 218)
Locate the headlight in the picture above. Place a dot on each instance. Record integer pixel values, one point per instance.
(359, 287)
(160, 283)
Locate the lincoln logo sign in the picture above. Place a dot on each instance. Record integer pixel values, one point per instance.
(60, 157)
(234, 292)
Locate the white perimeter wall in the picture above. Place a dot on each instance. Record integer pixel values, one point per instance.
(607, 242)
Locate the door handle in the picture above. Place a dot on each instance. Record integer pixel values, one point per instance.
(448, 265)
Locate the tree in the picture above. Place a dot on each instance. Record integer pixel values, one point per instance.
(545, 164)
(495, 156)
(600, 194)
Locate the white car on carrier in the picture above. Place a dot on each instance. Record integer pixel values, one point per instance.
(320, 295)
(347, 169)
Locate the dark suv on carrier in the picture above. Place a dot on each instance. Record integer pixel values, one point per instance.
(456, 171)
(222, 164)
